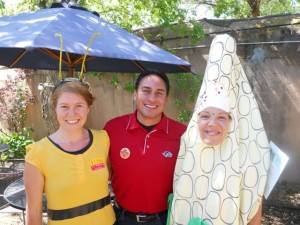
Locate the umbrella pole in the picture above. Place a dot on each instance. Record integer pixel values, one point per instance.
(71, 66)
(71, 71)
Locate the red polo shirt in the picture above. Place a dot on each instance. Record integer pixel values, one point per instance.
(143, 163)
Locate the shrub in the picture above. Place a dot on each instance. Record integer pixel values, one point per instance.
(17, 142)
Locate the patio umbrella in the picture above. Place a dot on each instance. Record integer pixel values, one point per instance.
(28, 41)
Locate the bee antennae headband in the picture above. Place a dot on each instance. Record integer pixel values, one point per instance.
(84, 57)
(86, 51)
(60, 54)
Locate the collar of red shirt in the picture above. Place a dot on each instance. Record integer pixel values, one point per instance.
(162, 125)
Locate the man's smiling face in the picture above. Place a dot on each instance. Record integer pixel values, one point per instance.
(150, 98)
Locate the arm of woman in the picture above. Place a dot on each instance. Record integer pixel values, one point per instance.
(109, 169)
(256, 220)
(34, 186)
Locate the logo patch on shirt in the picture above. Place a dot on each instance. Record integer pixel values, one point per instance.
(125, 153)
(97, 163)
(167, 154)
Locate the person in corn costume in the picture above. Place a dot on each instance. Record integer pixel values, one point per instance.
(224, 183)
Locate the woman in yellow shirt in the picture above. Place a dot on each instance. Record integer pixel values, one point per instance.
(70, 166)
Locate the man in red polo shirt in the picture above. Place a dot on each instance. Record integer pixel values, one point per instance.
(143, 152)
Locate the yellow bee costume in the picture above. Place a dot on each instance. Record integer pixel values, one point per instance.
(223, 184)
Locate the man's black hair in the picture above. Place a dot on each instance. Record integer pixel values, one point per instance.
(156, 72)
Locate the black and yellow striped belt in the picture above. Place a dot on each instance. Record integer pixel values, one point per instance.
(81, 210)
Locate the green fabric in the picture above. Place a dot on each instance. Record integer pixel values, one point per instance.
(170, 199)
(197, 221)
(194, 221)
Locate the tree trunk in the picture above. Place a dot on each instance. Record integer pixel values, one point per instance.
(50, 122)
(254, 5)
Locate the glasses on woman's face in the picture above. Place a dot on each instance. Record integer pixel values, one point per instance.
(71, 79)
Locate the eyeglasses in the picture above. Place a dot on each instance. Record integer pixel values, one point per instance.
(71, 79)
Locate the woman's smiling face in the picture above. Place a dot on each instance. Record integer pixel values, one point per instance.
(71, 110)
(213, 124)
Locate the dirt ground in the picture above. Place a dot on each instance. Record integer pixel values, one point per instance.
(283, 205)
(281, 208)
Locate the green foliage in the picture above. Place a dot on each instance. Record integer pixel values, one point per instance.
(96, 74)
(129, 86)
(192, 29)
(273, 7)
(114, 81)
(188, 84)
(17, 142)
(178, 102)
(187, 87)
(229, 8)
(198, 32)
(242, 9)
(163, 13)
(185, 115)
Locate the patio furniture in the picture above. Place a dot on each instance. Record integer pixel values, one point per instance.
(3, 147)
(15, 195)
(7, 176)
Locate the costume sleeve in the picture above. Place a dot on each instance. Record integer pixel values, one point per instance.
(106, 141)
(33, 155)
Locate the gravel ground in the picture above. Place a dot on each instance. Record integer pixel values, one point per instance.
(12, 216)
(281, 208)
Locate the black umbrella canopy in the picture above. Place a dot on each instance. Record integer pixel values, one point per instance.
(29, 41)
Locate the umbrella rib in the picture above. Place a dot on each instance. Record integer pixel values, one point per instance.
(184, 68)
(138, 65)
(18, 58)
(52, 54)
(68, 62)
(79, 60)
